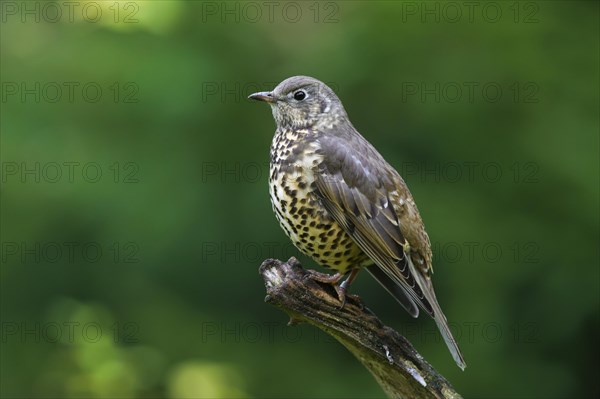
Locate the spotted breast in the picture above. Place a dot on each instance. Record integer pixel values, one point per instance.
(295, 156)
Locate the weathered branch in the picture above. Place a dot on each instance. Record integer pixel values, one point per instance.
(395, 364)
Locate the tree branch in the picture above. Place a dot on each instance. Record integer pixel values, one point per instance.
(391, 359)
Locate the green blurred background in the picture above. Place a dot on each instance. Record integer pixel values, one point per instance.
(135, 209)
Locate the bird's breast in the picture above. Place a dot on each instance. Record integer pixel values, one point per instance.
(294, 163)
(292, 176)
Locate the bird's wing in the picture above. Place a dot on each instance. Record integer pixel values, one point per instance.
(356, 189)
(364, 210)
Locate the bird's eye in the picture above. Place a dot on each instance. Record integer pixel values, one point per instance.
(299, 95)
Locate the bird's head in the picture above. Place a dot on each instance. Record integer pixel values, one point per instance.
(302, 101)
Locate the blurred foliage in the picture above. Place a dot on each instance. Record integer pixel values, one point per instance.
(172, 304)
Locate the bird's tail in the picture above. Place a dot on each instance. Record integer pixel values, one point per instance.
(442, 325)
(438, 316)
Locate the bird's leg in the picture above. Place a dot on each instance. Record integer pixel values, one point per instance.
(334, 279)
(341, 290)
(325, 278)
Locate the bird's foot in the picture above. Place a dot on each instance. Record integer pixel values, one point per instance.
(324, 277)
(342, 292)
(334, 279)
(343, 288)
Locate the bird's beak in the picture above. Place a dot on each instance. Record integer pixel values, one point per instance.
(266, 96)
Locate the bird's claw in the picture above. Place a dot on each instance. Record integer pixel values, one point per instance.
(340, 289)
(343, 296)
(324, 277)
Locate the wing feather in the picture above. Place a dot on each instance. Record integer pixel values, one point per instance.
(359, 200)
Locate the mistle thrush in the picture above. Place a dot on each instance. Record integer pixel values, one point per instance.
(342, 204)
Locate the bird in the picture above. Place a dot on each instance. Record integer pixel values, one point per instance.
(343, 205)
